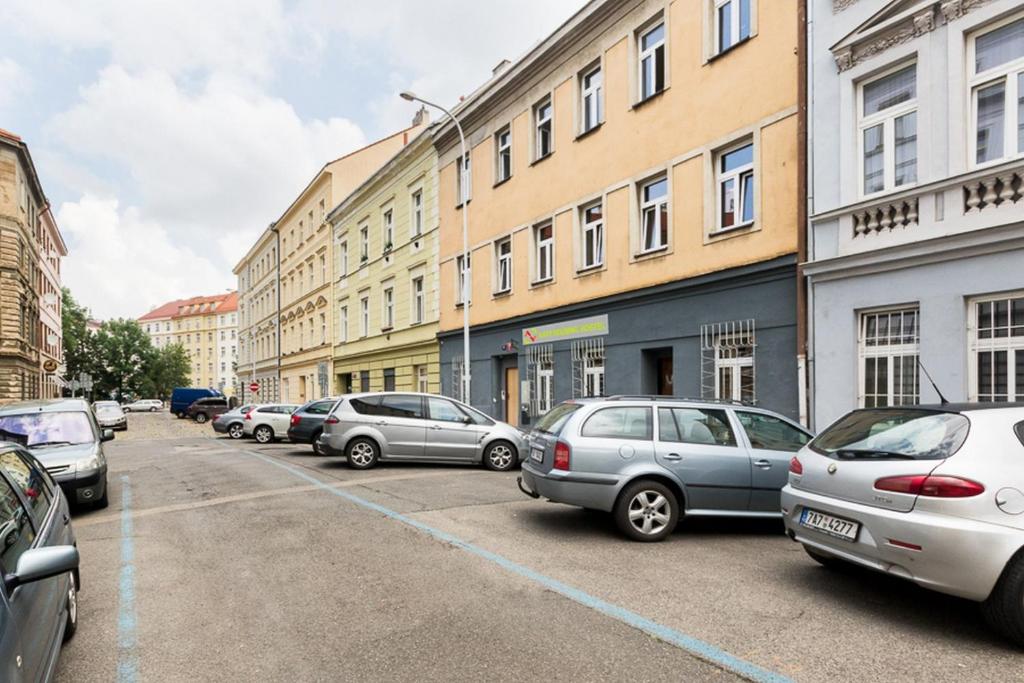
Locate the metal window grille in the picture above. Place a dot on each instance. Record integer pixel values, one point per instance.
(537, 358)
(588, 364)
(455, 390)
(727, 352)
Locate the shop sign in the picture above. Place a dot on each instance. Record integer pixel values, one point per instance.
(593, 326)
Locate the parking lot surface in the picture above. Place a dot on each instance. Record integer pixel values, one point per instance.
(225, 560)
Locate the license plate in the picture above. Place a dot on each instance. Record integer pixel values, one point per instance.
(537, 454)
(833, 526)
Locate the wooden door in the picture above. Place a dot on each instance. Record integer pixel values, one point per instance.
(512, 396)
(665, 376)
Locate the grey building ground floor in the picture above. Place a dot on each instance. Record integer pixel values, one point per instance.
(952, 306)
(729, 334)
(267, 378)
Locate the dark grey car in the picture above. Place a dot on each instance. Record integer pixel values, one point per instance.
(650, 460)
(39, 563)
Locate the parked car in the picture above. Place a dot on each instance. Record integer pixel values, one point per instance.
(109, 414)
(383, 427)
(933, 494)
(64, 436)
(143, 405)
(651, 460)
(39, 565)
(268, 422)
(205, 408)
(307, 423)
(232, 422)
(183, 397)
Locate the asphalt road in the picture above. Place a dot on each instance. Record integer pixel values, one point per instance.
(223, 560)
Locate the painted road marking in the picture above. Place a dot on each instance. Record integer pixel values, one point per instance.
(694, 646)
(127, 659)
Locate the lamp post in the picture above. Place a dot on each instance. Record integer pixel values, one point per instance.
(465, 241)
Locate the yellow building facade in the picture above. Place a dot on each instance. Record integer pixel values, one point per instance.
(633, 200)
(385, 294)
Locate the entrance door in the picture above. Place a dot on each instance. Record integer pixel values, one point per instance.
(302, 388)
(665, 376)
(512, 396)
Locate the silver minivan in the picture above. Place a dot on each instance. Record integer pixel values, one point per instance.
(650, 460)
(395, 426)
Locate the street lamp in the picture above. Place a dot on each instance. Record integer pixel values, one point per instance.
(411, 97)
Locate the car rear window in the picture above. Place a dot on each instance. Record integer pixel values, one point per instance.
(367, 405)
(893, 434)
(554, 420)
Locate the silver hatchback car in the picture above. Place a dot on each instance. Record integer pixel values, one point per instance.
(391, 426)
(651, 459)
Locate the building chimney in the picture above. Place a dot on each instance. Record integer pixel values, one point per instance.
(501, 66)
(421, 118)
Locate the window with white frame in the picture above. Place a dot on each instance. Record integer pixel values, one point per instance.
(591, 100)
(732, 23)
(364, 315)
(887, 125)
(588, 356)
(416, 224)
(503, 266)
(464, 179)
(418, 300)
(654, 215)
(592, 235)
(388, 232)
(388, 308)
(651, 58)
(422, 379)
(889, 348)
(544, 252)
(542, 128)
(997, 90)
(736, 187)
(364, 244)
(343, 324)
(540, 368)
(503, 155)
(997, 348)
(343, 258)
(323, 328)
(463, 278)
(727, 361)
(323, 268)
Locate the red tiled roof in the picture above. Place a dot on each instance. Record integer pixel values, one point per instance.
(180, 308)
(9, 135)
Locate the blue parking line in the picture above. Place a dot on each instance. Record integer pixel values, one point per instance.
(694, 646)
(127, 659)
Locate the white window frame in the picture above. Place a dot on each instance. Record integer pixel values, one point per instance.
(422, 379)
(503, 266)
(655, 206)
(502, 152)
(539, 123)
(545, 386)
(463, 279)
(323, 328)
(343, 257)
(416, 211)
(734, 30)
(887, 119)
(387, 300)
(597, 228)
(736, 175)
(387, 218)
(591, 98)
(1011, 345)
(593, 375)
(1008, 73)
(651, 53)
(464, 178)
(417, 289)
(343, 324)
(364, 316)
(887, 351)
(543, 253)
(364, 244)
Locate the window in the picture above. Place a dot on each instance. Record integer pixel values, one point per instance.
(592, 242)
(727, 361)
(364, 381)
(503, 256)
(389, 229)
(619, 423)
(422, 382)
(736, 187)
(364, 316)
(771, 433)
(654, 215)
(543, 142)
(889, 343)
(418, 302)
(364, 244)
(388, 302)
(401, 405)
(732, 23)
(997, 349)
(997, 92)
(544, 248)
(18, 531)
(343, 259)
(416, 224)
(36, 429)
(34, 485)
(545, 386)
(591, 102)
(695, 426)
(911, 434)
(652, 61)
(888, 131)
(503, 158)
(389, 385)
(588, 357)
(323, 328)
(321, 408)
(443, 410)
(463, 279)
(464, 180)
(323, 268)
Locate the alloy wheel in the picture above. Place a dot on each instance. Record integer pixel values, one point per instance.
(235, 431)
(361, 454)
(263, 434)
(501, 457)
(649, 512)
(73, 603)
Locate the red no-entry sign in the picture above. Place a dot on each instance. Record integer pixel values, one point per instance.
(254, 387)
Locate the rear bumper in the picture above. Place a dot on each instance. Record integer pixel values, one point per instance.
(593, 491)
(300, 436)
(220, 427)
(324, 444)
(958, 556)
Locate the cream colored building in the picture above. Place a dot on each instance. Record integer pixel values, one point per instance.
(258, 341)
(51, 337)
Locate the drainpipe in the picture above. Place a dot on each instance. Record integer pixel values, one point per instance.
(803, 204)
(277, 318)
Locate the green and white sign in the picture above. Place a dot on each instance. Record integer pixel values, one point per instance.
(593, 326)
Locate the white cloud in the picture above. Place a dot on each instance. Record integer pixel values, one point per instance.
(14, 85)
(123, 264)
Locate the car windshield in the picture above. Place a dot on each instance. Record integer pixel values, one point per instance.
(42, 429)
(893, 434)
(553, 420)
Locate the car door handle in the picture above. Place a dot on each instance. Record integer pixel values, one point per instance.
(763, 464)
(436, 428)
(382, 422)
(673, 456)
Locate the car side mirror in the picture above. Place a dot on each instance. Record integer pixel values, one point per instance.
(107, 435)
(467, 420)
(42, 563)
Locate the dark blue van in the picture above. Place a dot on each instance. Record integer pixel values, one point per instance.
(182, 398)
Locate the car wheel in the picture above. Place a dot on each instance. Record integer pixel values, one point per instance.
(71, 625)
(500, 456)
(647, 511)
(104, 500)
(201, 418)
(181, 416)
(362, 453)
(316, 445)
(263, 434)
(152, 410)
(1004, 609)
(126, 410)
(236, 431)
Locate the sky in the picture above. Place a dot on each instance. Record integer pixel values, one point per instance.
(169, 133)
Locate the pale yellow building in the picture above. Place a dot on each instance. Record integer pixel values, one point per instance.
(385, 294)
(258, 341)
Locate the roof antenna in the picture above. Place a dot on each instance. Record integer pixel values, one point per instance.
(942, 399)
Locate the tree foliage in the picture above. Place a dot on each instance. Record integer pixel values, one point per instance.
(79, 344)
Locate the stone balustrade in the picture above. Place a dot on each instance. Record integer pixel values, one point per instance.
(885, 217)
(992, 191)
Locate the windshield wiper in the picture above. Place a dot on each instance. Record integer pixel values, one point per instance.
(51, 443)
(872, 454)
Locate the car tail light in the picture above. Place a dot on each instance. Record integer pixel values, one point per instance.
(795, 466)
(295, 419)
(931, 486)
(331, 420)
(248, 416)
(562, 454)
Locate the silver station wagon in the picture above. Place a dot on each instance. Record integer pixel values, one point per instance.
(651, 459)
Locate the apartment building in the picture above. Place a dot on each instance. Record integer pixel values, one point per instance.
(158, 324)
(306, 256)
(385, 294)
(51, 336)
(916, 225)
(632, 197)
(258, 340)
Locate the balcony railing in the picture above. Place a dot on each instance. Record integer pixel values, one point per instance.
(888, 216)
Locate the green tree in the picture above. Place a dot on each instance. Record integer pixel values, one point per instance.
(80, 352)
(125, 354)
(170, 368)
